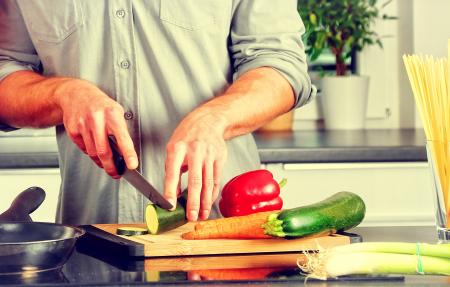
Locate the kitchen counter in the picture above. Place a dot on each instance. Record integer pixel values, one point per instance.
(342, 146)
(21, 151)
(88, 267)
(284, 147)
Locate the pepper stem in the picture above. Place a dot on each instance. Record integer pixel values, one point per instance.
(282, 182)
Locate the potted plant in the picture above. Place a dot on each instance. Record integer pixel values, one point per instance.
(342, 27)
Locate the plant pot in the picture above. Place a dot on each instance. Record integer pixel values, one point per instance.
(344, 102)
(283, 122)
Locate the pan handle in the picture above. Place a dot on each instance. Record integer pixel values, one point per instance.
(25, 203)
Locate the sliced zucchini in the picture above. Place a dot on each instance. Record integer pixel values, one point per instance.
(131, 231)
(159, 220)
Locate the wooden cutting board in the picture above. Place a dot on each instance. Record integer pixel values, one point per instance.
(171, 244)
(246, 261)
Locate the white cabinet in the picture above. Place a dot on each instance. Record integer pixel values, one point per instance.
(395, 193)
(13, 181)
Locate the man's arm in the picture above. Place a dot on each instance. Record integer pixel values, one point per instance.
(257, 97)
(198, 143)
(28, 99)
(89, 115)
(271, 78)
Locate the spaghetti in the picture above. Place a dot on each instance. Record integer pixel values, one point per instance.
(429, 79)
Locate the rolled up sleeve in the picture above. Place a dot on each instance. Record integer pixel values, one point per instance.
(264, 34)
(17, 52)
(16, 49)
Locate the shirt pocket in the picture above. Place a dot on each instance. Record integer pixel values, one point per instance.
(194, 14)
(52, 21)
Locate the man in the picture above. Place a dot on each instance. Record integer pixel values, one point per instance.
(179, 83)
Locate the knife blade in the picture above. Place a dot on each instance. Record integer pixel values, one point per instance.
(136, 179)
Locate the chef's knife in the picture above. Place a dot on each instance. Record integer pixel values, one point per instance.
(136, 179)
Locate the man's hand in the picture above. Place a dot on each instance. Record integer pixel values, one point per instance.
(197, 146)
(198, 143)
(89, 116)
(87, 113)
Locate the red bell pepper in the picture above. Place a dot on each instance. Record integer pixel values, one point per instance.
(250, 192)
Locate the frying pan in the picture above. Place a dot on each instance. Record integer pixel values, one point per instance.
(27, 246)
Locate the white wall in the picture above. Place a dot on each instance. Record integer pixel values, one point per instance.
(431, 28)
(13, 181)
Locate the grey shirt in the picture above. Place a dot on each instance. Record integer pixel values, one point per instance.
(159, 59)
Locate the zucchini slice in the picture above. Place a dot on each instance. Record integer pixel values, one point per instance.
(159, 220)
(131, 231)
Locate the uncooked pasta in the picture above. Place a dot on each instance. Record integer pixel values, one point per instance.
(429, 79)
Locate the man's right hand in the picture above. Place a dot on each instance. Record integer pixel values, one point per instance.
(89, 117)
(87, 113)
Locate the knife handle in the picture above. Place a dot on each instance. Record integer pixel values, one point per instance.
(118, 159)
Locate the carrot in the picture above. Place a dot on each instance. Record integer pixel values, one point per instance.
(251, 217)
(236, 227)
(237, 274)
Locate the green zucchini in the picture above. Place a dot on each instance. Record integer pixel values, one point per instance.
(131, 231)
(339, 212)
(159, 220)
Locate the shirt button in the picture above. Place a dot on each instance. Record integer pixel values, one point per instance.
(120, 13)
(128, 115)
(125, 64)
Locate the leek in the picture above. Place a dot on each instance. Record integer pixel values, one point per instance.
(378, 258)
(435, 250)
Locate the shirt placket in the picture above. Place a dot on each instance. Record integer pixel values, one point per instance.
(125, 77)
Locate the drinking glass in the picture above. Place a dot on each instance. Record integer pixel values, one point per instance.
(438, 153)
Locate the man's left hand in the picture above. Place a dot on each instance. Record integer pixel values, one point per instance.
(197, 146)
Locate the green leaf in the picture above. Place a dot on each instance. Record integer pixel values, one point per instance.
(313, 19)
(341, 26)
(315, 54)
